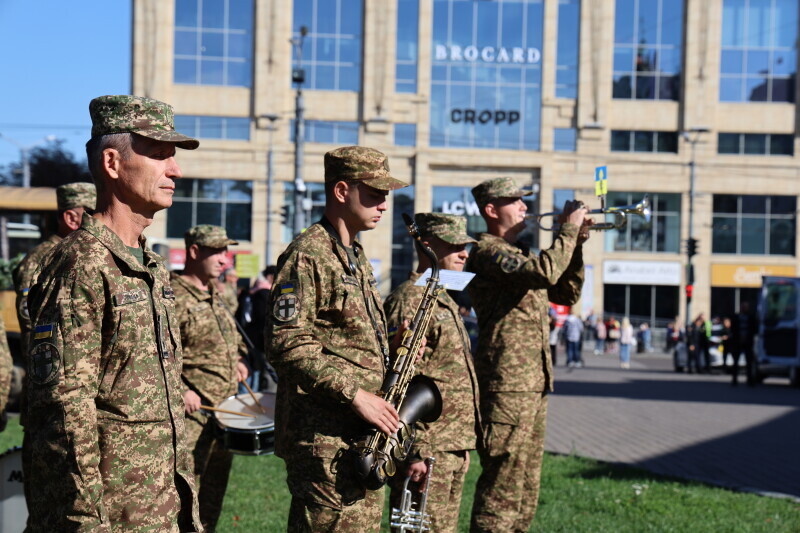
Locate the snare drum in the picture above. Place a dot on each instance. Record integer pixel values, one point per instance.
(243, 434)
(13, 511)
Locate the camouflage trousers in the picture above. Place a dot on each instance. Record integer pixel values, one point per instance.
(211, 464)
(444, 492)
(326, 497)
(507, 492)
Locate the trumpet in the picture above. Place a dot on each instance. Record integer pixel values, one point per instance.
(406, 518)
(620, 215)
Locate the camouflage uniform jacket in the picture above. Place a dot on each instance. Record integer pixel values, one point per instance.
(448, 361)
(24, 278)
(510, 293)
(327, 344)
(211, 344)
(105, 411)
(6, 366)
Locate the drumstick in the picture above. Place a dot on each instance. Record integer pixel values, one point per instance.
(207, 408)
(253, 396)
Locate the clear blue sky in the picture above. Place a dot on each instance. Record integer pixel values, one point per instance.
(55, 56)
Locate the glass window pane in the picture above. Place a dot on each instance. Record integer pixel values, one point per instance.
(667, 301)
(726, 203)
(186, 124)
(758, 62)
(641, 297)
(623, 59)
(184, 188)
(179, 218)
(564, 139)
(240, 191)
(647, 22)
(724, 235)
(641, 234)
(755, 143)
(643, 141)
(211, 189)
(237, 222)
(213, 13)
(239, 45)
(620, 141)
(733, 22)
(240, 15)
(645, 87)
(755, 88)
(728, 143)
(185, 71)
(186, 13)
(782, 90)
(782, 236)
(667, 142)
(211, 72)
(405, 134)
(730, 90)
(623, 84)
(237, 128)
(754, 204)
(209, 213)
(781, 144)
(211, 127)
(185, 42)
(782, 205)
(753, 236)
(212, 44)
(239, 73)
(732, 62)
(623, 21)
(672, 23)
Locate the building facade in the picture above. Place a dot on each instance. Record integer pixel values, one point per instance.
(458, 91)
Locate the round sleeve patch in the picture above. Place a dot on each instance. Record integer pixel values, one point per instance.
(511, 263)
(285, 307)
(43, 363)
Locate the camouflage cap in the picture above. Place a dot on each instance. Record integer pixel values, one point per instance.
(449, 228)
(137, 114)
(207, 235)
(74, 195)
(497, 188)
(363, 164)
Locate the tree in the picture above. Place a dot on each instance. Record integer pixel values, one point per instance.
(51, 165)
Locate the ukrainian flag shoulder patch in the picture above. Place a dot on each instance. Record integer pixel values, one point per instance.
(45, 331)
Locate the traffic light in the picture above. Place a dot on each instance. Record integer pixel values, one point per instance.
(286, 215)
(691, 247)
(689, 291)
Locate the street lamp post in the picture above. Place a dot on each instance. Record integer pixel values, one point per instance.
(299, 77)
(692, 136)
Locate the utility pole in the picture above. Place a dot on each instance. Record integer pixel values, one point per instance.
(270, 174)
(298, 78)
(692, 136)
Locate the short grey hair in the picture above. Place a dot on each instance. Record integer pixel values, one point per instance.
(121, 142)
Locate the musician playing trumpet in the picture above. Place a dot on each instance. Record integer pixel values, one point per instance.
(511, 294)
(448, 361)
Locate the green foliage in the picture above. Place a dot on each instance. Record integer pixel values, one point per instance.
(6, 267)
(577, 496)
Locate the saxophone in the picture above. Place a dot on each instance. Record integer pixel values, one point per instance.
(416, 398)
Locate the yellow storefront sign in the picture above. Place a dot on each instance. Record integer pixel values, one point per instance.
(746, 275)
(247, 265)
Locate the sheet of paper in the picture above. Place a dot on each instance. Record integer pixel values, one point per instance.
(449, 279)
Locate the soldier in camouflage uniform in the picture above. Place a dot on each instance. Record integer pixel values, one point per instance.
(6, 366)
(326, 338)
(73, 200)
(510, 293)
(105, 413)
(213, 363)
(448, 361)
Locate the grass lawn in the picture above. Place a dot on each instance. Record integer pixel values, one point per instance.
(578, 496)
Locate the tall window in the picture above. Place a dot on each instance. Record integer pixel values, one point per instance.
(226, 203)
(759, 58)
(655, 304)
(754, 224)
(213, 42)
(661, 234)
(332, 48)
(647, 49)
(205, 127)
(567, 47)
(486, 74)
(407, 44)
(402, 243)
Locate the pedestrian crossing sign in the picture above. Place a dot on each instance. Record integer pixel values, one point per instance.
(600, 181)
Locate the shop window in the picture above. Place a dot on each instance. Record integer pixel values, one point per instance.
(661, 234)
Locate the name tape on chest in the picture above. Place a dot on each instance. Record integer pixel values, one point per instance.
(129, 297)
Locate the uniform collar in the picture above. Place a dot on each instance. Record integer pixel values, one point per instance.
(198, 293)
(110, 240)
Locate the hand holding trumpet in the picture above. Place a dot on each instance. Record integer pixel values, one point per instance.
(574, 212)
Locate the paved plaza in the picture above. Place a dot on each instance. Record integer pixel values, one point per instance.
(690, 426)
